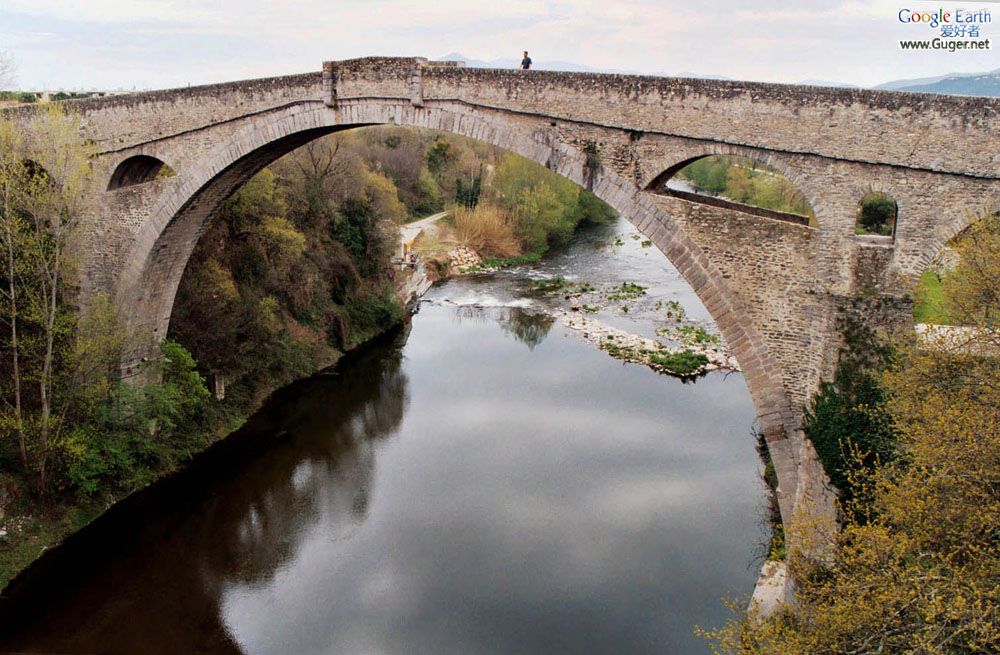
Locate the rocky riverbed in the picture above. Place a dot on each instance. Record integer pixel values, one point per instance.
(609, 287)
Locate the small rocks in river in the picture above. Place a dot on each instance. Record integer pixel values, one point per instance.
(463, 258)
(640, 350)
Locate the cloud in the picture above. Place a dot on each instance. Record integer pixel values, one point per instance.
(155, 43)
(114, 11)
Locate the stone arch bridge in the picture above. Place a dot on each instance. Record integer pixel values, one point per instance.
(774, 286)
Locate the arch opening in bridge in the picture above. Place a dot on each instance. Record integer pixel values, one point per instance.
(877, 216)
(153, 268)
(138, 169)
(954, 269)
(738, 183)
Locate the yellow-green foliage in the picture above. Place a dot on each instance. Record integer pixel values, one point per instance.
(488, 229)
(545, 206)
(971, 290)
(67, 422)
(917, 567)
(291, 271)
(281, 240)
(928, 300)
(45, 179)
(380, 191)
(956, 297)
(427, 171)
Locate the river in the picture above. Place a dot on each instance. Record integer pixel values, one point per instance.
(482, 480)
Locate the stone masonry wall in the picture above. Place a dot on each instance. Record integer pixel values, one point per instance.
(936, 132)
(774, 287)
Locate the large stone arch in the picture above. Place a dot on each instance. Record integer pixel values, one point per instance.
(159, 254)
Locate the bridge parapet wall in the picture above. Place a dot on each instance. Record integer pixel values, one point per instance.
(934, 132)
(129, 120)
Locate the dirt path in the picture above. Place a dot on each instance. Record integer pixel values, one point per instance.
(409, 232)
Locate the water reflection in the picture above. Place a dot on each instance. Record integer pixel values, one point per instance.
(459, 493)
(527, 326)
(148, 577)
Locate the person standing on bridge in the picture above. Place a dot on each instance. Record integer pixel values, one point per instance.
(526, 62)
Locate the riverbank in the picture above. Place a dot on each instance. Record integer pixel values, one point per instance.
(29, 528)
(488, 452)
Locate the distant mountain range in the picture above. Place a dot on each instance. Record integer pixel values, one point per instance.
(963, 84)
(970, 84)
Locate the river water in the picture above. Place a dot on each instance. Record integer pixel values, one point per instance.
(480, 481)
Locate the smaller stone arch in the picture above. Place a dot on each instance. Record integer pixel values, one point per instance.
(877, 216)
(799, 209)
(990, 205)
(138, 169)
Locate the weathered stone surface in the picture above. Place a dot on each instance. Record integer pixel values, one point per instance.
(773, 287)
(774, 589)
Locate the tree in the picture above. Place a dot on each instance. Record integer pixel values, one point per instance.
(740, 184)
(877, 215)
(537, 215)
(7, 69)
(310, 173)
(45, 179)
(439, 155)
(709, 173)
(971, 290)
(920, 574)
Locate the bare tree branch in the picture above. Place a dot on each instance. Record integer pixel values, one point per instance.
(7, 70)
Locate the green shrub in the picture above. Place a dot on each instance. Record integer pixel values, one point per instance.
(141, 432)
(847, 421)
(708, 174)
(370, 313)
(685, 362)
(877, 215)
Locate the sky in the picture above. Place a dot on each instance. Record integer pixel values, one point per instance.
(148, 44)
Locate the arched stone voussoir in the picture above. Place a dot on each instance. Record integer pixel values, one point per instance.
(168, 237)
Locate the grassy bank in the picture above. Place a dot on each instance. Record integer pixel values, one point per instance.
(929, 303)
